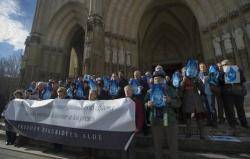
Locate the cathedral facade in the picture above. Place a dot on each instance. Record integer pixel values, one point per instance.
(73, 37)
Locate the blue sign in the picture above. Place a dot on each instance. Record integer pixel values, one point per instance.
(92, 85)
(192, 68)
(135, 86)
(157, 95)
(113, 88)
(176, 79)
(232, 74)
(224, 138)
(70, 93)
(47, 92)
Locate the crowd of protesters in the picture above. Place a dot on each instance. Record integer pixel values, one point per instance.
(161, 101)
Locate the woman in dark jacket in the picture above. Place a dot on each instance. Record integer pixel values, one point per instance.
(192, 103)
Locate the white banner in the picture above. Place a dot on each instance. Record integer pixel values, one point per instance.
(79, 117)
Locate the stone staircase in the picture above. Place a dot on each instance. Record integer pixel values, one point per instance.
(192, 148)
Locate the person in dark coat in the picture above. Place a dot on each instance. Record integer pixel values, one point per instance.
(233, 95)
(192, 103)
(102, 94)
(163, 115)
(122, 83)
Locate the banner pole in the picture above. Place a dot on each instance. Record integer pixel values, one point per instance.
(129, 141)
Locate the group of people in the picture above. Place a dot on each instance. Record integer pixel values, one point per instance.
(161, 101)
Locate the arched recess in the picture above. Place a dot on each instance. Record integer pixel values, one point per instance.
(168, 34)
(65, 31)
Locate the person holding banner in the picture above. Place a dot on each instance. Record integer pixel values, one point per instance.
(139, 119)
(140, 88)
(10, 134)
(62, 93)
(233, 93)
(161, 102)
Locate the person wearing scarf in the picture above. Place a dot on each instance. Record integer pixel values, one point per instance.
(161, 102)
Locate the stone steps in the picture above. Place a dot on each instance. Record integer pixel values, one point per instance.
(149, 154)
(189, 148)
(194, 144)
(141, 153)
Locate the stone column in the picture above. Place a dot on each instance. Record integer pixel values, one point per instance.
(32, 59)
(241, 50)
(95, 44)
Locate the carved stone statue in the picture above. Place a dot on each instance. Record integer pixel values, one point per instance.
(248, 30)
(238, 35)
(216, 45)
(107, 54)
(128, 58)
(121, 56)
(226, 37)
(114, 59)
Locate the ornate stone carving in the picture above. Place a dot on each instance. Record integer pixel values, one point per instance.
(216, 45)
(121, 56)
(226, 37)
(248, 30)
(114, 59)
(128, 58)
(238, 35)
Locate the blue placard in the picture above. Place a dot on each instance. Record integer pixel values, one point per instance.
(157, 95)
(70, 93)
(113, 88)
(106, 83)
(176, 79)
(192, 68)
(92, 85)
(135, 86)
(47, 92)
(224, 138)
(232, 74)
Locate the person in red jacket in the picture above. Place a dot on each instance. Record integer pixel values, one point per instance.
(139, 120)
(139, 113)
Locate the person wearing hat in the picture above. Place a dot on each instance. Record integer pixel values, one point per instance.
(161, 103)
(233, 95)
